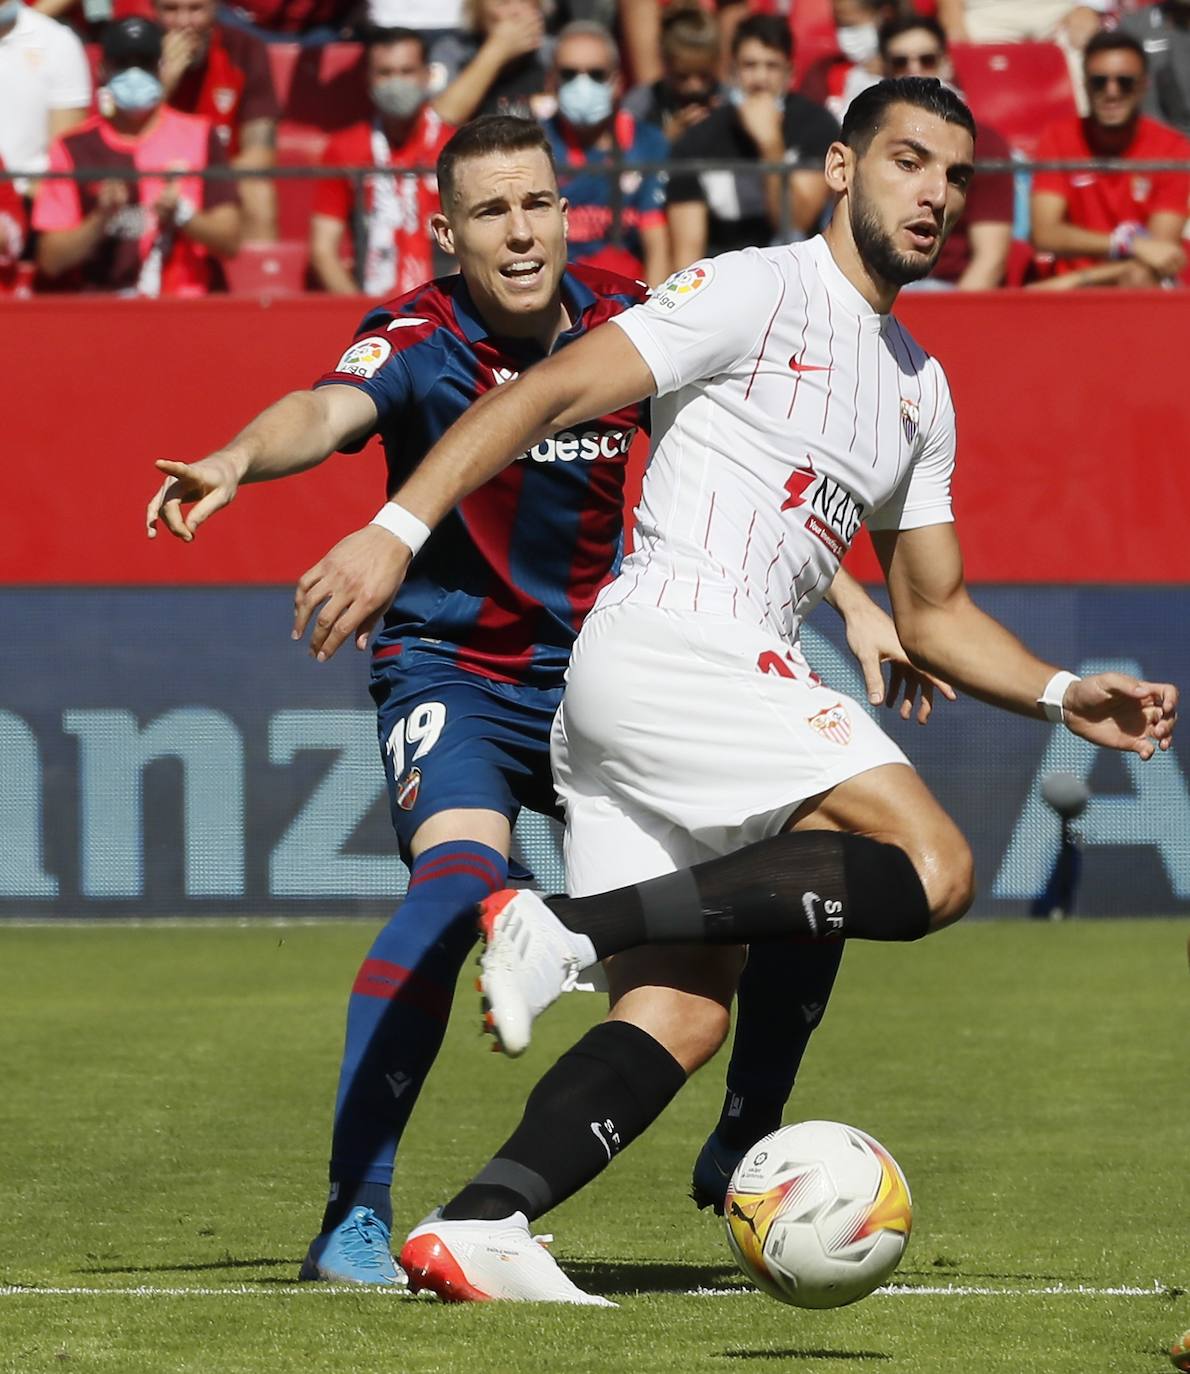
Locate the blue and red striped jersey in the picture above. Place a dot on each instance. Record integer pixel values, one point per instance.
(505, 581)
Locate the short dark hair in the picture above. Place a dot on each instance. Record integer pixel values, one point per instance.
(866, 112)
(768, 29)
(376, 37)
(1115, 40)
(910, 23)
(490, 134)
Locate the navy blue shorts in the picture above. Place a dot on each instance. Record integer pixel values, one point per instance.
(450, 739)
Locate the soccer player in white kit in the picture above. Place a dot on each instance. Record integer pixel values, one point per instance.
(790, 407)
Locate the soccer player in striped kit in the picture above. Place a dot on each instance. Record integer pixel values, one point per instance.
(722, 792)
(467, 671)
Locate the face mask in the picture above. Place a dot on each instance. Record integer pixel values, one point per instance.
(585, 101)
(858, 42)
(398, 96)
(135, 90)
(10, 12)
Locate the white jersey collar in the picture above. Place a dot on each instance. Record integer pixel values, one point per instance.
(840, 289)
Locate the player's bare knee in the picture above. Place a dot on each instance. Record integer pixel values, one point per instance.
(947, 873)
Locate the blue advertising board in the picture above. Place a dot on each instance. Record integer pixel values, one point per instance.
(170, 751)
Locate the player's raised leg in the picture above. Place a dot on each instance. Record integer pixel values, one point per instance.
(903, 871)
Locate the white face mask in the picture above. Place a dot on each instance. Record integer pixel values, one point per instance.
(858, 42)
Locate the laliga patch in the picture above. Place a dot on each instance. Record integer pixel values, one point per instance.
(683, 286)
(365, 359)
(832, 723)
(408, 789)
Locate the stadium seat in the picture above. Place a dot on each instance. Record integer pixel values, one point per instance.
(813, 26)
(267, 269)
(1017, 87)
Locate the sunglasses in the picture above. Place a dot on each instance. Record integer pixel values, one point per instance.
(927, 61)
(600, 74)
(1126, 84)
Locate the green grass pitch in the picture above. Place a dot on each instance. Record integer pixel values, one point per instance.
(164, 1118)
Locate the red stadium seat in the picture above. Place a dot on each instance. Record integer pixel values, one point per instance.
(813, 26)
(267, 269)
(1017, 87)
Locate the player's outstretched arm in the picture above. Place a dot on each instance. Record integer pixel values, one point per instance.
(297, 432)
(354, 583)
(945, 633)
(872, 638)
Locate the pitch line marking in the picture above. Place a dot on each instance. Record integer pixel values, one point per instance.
(899, 1290)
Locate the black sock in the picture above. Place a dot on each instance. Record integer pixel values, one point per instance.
(801, 885)
(782, 996)
(592, 1104)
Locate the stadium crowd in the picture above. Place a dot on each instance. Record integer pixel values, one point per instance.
(118, 92)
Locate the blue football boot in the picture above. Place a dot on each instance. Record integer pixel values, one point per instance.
(358, 1250)
(712, 1173)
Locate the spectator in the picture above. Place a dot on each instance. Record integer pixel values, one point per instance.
(638, 23)
(1109, 228)
(588, 131)
(405, 132)
(688, 88)
(223, 73)
(497, 66)
(45, 85)
(13, 228)
(1163, 30)
(975, 255)
(713, 212)
(836, 79)
(1014, 21)
(149, 236)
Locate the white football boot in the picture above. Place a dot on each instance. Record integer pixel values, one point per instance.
(531, 959)
(487, 1261)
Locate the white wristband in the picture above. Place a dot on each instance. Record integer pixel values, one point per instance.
(1054, 693)
(404, 524)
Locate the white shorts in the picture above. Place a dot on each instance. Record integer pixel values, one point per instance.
(683, 737)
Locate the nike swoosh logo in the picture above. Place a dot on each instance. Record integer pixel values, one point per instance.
(808, 900)
(795, 366)
(405, 322)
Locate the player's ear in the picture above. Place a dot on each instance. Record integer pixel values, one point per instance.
(840, 163)
(564, 206)
(443, 237)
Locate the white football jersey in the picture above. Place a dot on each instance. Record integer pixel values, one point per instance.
(787, 412)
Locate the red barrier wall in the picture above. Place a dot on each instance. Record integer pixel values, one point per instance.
(1073, 419)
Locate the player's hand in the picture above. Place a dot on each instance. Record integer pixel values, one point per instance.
(210, 484)
(351, 588)
(872, 638)
(1116, 711)
(1166, 259)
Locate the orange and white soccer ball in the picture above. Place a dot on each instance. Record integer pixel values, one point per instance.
(818, 1214)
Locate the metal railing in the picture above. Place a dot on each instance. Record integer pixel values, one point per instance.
(614, 169)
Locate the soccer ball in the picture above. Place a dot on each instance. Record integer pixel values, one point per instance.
(818, 1214)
